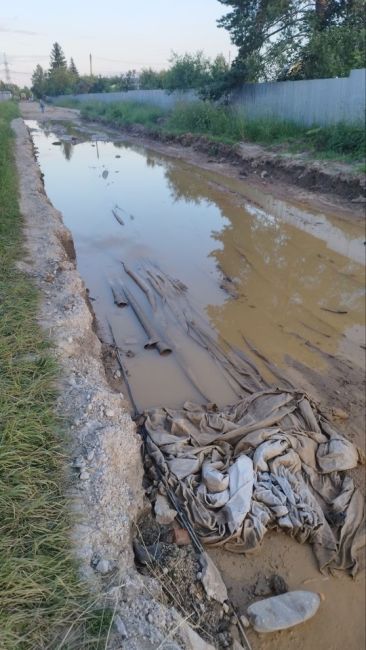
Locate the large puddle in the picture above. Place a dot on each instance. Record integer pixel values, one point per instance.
(253, 277)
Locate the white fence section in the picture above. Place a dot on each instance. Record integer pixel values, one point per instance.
(312, 101)
(5, 95)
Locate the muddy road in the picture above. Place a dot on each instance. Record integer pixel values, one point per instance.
(279, 281)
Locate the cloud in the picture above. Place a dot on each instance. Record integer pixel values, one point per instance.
(18, 31)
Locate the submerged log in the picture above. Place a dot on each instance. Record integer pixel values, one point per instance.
(154, 340)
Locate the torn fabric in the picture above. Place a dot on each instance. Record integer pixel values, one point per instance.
(271, 460)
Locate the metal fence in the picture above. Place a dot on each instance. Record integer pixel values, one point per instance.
(312, 101)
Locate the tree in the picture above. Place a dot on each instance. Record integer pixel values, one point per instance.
(39, 79)
(187, 71)
(73, 69)
(215, 84)
(59, 82)
(151, 79)
(57, 59)
(272, 36)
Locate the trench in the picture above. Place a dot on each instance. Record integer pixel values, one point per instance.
(263, 278)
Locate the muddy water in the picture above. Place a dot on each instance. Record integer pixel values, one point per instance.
(286, 280)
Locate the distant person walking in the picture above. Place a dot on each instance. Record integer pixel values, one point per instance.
(41, 105)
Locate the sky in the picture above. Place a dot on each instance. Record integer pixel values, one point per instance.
(120, 34)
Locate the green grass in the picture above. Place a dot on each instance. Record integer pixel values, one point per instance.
(42, 600)
(203, 118)
(123, 113)
(223, 124)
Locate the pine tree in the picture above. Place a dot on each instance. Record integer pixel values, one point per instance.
(57, 59)
(73, 69)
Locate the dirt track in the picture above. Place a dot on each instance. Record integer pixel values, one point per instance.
(330, 629)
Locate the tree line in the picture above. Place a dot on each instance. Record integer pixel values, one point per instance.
(185, 72)
(275, 40)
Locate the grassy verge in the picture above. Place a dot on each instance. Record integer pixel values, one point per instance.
(339, 141)
(42, 602)
(123, 113)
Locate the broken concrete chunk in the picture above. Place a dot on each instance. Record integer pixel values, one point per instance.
(211, 579)
(192, 640)
(163, 512)
(284, 611)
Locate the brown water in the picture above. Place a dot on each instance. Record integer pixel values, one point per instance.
(254, 267)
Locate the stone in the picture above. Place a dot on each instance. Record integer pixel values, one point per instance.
(103, 567)
(236, 645)
(211, 579)
(84, 475)
(284, 611)
(192, 640)
(79, 462)
(121, 628)
(163, 512)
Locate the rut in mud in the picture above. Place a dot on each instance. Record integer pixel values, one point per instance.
(249, 285)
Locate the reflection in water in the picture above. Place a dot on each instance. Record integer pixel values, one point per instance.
(67, 149)
(248, 270)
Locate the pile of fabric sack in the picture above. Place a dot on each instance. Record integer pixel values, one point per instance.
(272, 460)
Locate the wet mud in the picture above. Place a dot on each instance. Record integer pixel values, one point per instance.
(189, 273)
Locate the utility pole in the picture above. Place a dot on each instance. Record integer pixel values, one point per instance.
(91, 65)
(7, 71)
